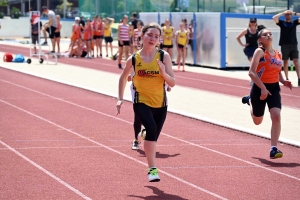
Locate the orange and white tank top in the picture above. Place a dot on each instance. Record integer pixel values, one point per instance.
(77, 30)
(124, 32)
(88, 32)
(94, 25)
(148, 85)
(269, 67)
(100, 33)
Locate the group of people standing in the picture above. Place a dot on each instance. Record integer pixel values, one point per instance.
(128, 38)
(86, 39)
(265, 70)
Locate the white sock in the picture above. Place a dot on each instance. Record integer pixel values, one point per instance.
(272, 147)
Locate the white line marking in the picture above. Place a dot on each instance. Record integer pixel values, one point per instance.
(45, 171)
(111, 149)
(175, 138)
(230, 85)
(206, 167)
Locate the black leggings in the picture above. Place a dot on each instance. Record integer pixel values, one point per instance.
(137, 125)
(152, 118)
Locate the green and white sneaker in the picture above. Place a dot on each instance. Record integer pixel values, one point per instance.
(153, 175)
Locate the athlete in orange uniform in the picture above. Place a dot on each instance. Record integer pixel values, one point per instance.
(148, 90)
(265, 72)
(76, 33)
(87, 37)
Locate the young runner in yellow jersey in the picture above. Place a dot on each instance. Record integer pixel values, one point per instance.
(148, 90)
(107, 34)
(182, 39)
(168, 36)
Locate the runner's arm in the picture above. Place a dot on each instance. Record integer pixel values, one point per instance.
(258, 54)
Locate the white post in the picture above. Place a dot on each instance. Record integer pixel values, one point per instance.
(65, 6)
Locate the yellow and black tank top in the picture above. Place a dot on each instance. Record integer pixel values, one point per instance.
(182, 37)
(148, 85)
(168, 32)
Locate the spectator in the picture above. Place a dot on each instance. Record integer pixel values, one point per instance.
(134, 20)
(288, 40)
(49, 27)
(36, 26)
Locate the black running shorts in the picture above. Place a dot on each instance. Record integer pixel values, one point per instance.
(273, 101)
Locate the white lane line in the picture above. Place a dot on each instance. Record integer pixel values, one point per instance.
(106, 147)
(46, 171)
(206, 167)
(175, 138)
(187, 78)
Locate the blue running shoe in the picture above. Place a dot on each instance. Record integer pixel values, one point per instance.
(246, 100)
(275, 153)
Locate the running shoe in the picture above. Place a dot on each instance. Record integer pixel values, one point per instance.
(120, 66)
(275, 153)
(135, 145)
(246, 100)
(153, 175)
(299, 83)
(143, 134)
(44, 44)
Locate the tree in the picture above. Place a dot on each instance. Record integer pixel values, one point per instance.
(61, 6)
(88, 6)
(3, 3)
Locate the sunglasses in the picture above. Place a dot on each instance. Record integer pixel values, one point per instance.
(287, 14)
(252, 21)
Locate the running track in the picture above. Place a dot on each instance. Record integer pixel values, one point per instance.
(62, 142)
(223, 85)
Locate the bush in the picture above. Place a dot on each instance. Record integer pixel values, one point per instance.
(15, 13)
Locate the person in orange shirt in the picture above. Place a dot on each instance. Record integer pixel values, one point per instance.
(88, 36)
(76, 33)
(100, 32)
(96, 36)
(265, 72)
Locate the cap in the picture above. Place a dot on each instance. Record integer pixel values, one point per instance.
(253, 19)
(44, 8)
(77, 18)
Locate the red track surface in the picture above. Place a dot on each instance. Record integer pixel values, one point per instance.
(61, 142)
(223, 85)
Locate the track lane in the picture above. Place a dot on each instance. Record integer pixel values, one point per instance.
(172, 153)
(223, 85)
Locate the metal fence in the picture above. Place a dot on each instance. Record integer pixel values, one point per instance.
(117, 8)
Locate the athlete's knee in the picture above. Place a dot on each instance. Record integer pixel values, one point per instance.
(275, 115)
(257, 120)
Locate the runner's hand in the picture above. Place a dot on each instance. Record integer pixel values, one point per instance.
(288, 84)
(162, 67)
(264, 94)
(118, 106)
